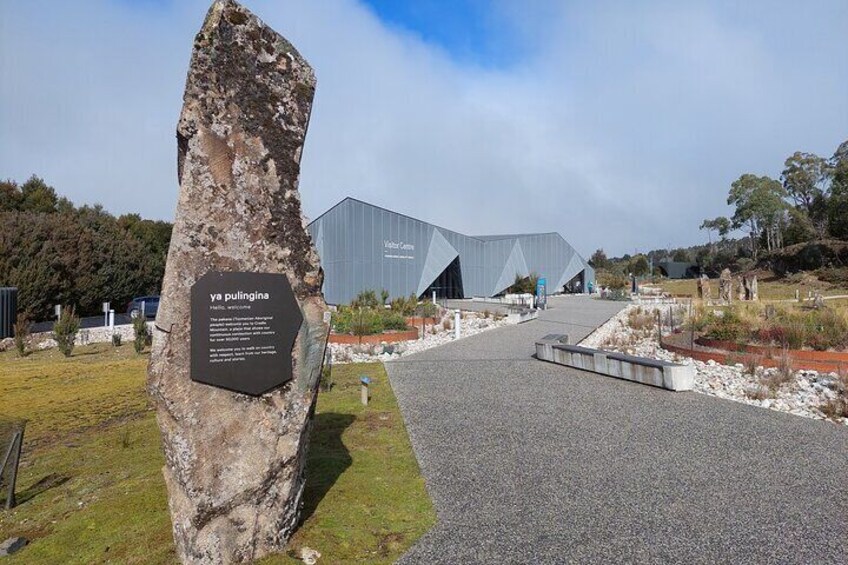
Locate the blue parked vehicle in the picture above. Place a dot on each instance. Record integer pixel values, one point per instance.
(150, 305)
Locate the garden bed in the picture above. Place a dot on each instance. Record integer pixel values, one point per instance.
(373, 339)
(731, 353)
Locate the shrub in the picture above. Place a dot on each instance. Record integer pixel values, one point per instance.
(830, 329)
(641, 320)
(357, 321)
(142, 336)
(612, 280)
(365, 299)
(404, 305)
(326, 381)
(427, 310)
(384, 296)
(23, 328)
(393, 320)
(116, 340)
(65, 330)
(837, 407)
(783, 374)
(728, 327)
(751, 362)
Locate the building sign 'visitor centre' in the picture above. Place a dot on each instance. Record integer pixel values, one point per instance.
(365, 247)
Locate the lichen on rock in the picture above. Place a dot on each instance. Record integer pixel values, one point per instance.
(234, 463)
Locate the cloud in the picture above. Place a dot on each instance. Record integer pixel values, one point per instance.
(620, 126)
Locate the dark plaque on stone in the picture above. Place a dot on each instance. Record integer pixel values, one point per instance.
(243, 328)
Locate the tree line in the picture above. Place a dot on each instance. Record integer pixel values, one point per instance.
(809, 203)
(57, 253)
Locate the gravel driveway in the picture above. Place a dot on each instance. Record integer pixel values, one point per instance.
(530, 462)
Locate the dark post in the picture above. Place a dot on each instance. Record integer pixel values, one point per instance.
(691, 326)
(659, 327)
(12, 460)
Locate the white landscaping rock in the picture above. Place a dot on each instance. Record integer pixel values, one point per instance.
(802, 397)
(472, 324)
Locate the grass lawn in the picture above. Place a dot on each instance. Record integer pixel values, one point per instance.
(90, 487)
(768, 289)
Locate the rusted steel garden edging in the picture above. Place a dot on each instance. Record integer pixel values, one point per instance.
(374, 339)
(416, 321)
(800, 354)
(733, 356)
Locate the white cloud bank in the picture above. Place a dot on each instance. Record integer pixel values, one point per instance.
(622, 127)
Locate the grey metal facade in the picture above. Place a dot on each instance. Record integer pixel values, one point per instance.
(363, 247)
(8, 311)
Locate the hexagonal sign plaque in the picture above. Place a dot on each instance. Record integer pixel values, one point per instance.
(243, 328)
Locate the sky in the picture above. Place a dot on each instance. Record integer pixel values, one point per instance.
(620, 125)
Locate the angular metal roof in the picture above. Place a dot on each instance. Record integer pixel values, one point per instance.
(364, 247)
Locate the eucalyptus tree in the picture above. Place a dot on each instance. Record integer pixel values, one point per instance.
(759, 208)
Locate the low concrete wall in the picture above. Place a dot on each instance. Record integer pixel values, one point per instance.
(637, 369)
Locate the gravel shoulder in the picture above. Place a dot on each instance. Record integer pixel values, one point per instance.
(533, 462)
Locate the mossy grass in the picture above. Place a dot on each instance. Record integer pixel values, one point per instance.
(90, 486)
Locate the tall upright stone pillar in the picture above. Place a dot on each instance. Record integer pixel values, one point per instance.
(240, 335)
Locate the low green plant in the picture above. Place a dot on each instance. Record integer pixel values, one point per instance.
(728, 326)
(65, 330)
(365, 299)
(837, 407)
(405, 305)
(140, 333)
(23, 329)
(384, 296)
(427, 310)
(326, 382)
(612, 280)
(116, 340)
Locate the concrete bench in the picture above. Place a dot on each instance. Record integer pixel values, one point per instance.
(653, 372)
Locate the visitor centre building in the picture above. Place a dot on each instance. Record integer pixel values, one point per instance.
(366, 247)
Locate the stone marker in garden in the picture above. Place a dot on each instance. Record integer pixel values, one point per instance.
(755, 289)
(725, 286)
(240, 333)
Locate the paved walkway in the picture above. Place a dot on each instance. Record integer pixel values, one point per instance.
(529, 462)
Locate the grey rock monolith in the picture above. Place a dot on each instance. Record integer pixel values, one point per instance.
(725, 286)
(235, 462)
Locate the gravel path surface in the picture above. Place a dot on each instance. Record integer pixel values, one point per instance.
(530, 462)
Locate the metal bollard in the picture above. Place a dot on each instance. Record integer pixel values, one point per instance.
(363, 393)
(457, 332)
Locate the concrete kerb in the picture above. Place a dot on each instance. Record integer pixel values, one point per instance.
(652, 372)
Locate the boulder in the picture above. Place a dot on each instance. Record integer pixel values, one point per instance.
(12, 545)
(235, 461)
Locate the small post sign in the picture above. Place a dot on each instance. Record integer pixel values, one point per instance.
(541, 294)
(243, 328)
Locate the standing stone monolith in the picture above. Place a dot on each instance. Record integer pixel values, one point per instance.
(725, 286)
(235, 420)
(755, 288)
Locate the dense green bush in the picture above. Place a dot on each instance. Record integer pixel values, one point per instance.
(22, 328)
(65, 330)
(729, 326)
(140, 333)
(788, 327)
(427, 310)
(58, 254)
(405, 305)
(370, 320)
